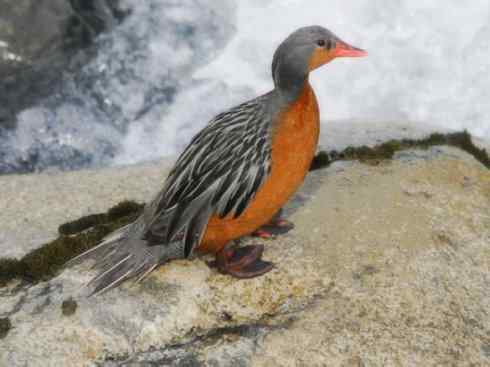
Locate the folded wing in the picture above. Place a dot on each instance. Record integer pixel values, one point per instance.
(219, 173)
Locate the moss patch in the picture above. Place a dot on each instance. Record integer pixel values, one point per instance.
(69, 307)
(5, 327)
(322, 159)
(121, 210)
(386, 150)
(44, 263)
(82, 224)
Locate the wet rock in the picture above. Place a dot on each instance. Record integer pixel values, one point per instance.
(387, 265)
(39, 39)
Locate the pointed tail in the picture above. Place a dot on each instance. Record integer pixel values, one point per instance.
(119, 258)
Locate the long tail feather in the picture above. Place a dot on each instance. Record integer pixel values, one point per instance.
(118, 258)
(103, 247)
(123, 259)
(111, 270)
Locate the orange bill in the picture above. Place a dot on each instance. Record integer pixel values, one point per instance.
(343, 49)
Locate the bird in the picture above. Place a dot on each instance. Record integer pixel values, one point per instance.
(233, 178)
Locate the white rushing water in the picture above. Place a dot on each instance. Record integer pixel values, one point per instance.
(163, 73)
(428, 63)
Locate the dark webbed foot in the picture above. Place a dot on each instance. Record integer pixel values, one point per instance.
(275, 227)
(252, 270)
(243, 262)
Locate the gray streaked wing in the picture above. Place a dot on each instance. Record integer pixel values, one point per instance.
(219, 173)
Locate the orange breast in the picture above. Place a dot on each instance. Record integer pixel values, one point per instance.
(295, 138)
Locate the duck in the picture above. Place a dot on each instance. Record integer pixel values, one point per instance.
(233, 177)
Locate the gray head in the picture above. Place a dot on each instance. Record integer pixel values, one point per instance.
(305, 50)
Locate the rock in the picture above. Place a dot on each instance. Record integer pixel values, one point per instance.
(387, 265)
(39, 39)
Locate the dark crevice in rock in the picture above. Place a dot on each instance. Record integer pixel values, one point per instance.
(213, 335)
(189, 350)
(187, 353)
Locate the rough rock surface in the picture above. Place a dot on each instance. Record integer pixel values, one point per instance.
(388, 266)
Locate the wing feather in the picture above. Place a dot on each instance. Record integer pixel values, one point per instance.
(219, 173)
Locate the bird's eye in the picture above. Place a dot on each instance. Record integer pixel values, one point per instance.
(320, 43)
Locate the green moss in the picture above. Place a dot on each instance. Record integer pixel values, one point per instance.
(44, 263)
(460, 140)
(69, 307)
(5, 327)
(10, 269)
(387, 149)
(121, 210)
(82, 224)
(463, 141)
(322, 159)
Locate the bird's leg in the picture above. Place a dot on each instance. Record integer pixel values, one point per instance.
(276, 226)
(242, 262)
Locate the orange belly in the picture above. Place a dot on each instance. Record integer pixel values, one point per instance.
(295, 138)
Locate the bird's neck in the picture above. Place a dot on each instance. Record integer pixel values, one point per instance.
(290, 77)
(290, 89)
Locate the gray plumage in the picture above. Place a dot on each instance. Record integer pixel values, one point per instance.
(218, 173)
